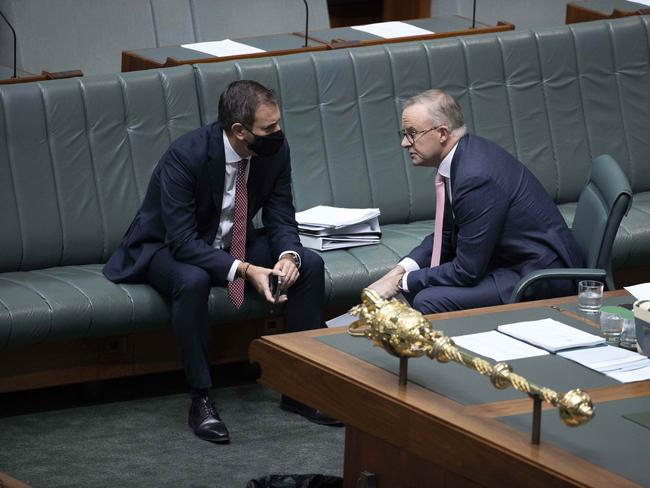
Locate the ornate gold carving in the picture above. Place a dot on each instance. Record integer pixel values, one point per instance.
(404, 332)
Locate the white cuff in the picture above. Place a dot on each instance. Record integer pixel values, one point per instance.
(233, 270)
(294, 254)
(404, 278)
(409, 265)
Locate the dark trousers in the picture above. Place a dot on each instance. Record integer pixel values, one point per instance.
(437, 299)
(188, 287)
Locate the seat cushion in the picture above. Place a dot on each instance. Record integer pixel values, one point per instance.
(75, 302)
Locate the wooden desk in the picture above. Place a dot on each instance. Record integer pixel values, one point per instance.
(45, 75)
(603, 9)
(283, 44)
(414, 437)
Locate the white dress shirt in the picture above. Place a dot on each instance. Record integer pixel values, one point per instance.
(223, 239)
(445, 171)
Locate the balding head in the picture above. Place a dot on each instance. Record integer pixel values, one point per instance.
(442, 109)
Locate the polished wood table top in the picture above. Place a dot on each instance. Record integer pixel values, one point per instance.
(467, 440)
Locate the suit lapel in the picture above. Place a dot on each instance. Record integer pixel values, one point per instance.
(216, 166)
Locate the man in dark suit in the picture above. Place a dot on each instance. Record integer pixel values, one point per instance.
(499, 224)
(194, 231)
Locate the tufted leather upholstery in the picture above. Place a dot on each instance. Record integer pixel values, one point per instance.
(76, 155)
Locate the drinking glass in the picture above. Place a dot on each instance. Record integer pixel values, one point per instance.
(590, 296)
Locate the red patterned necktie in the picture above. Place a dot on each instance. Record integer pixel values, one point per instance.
(240, 221)
(440, 214)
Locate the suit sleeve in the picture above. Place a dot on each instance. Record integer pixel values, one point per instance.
(481, 208)
(178, 203)
(279, 214)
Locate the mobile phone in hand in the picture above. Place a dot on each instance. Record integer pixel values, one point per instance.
(274, 286)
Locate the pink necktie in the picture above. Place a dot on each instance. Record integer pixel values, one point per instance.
(240, 221)
(440, 215)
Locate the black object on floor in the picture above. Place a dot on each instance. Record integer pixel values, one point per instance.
(296, 481)
(311, 414)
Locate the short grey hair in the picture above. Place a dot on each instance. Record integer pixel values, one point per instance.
(442, 108)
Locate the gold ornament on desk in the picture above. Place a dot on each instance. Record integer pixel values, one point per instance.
(406, 333)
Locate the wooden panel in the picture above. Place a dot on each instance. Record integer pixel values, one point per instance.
(143, 352)
(406, 9)
(473, 447)
(577, 12)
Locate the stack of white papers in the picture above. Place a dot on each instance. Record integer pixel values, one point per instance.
(392, 30)
(497, 346)
(325, 228)
(550, 334)
(620, 364)
(227, 47)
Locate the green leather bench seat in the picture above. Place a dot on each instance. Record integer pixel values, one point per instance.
(73, 302)
(76, 156)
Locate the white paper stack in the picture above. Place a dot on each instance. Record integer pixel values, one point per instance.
(224, 48)
(620, 364)
(392, 30)
(325, 228)
(497, 346)
(550, 334)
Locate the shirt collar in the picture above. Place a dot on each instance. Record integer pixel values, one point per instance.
(230, 154)
(445, 167)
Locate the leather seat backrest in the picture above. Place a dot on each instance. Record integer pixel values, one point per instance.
(75, 160)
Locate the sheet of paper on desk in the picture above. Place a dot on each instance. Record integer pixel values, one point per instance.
(640, 291)
(550, 334)
(227, 47)
(391, 30)
(641, 374)
(607, 358)
(497, 346)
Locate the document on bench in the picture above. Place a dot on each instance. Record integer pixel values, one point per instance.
(328, 243)
(620, 364)
(224, 48)
(497, 346)
(325, 217)
(550, 334)
(392, 30)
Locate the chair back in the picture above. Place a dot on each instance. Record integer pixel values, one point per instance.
(604, 201)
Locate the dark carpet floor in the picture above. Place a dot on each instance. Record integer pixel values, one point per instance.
(136, 434)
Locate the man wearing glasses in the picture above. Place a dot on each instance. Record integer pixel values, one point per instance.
(495, 223)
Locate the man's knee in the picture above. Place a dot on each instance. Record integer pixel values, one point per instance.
(312, 263)
(427, 301)
(193, 280)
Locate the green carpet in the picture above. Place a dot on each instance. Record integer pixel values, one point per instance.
(146, 442)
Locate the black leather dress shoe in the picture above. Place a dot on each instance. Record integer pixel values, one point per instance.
(311, 414)
(205, 421)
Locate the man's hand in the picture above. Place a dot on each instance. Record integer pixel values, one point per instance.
(386, 286)
(259, 278)
(287, 273)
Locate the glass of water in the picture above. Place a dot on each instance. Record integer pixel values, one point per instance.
(611, 326)
(590, 296)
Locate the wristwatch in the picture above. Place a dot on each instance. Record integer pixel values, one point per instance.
(399, 284)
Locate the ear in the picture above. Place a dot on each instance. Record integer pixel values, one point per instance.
(444, 134)
(238, 131)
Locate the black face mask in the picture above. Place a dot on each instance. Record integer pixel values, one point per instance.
(266, 146)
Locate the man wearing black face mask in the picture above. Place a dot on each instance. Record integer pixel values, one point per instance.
(194, 231)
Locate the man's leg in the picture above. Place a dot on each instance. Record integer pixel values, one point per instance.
(302, 311)
(188, 287)
(437, 299)
(304, 307)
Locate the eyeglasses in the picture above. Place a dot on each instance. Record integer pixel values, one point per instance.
(412, 136)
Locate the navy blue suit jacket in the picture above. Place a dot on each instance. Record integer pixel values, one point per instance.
(182, 207)
(501, 223)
